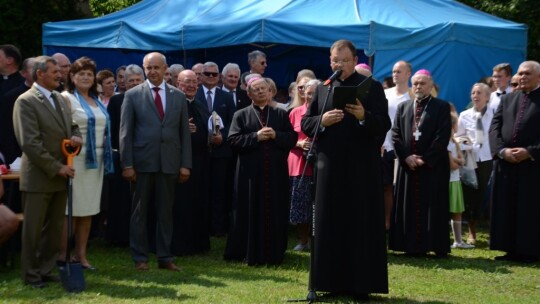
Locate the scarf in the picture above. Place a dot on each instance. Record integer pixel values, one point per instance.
(479, 130)
(91, 157)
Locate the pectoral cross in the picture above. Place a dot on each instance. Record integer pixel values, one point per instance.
(417, 135)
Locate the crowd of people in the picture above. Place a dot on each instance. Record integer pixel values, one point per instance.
(172, 156)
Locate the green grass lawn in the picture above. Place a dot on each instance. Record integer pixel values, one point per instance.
(467, 276)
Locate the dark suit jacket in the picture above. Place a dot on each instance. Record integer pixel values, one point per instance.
(240, 97)
(114, 109)
(148, 144)
(501, 132)
(40, 131)
(224, 107)
(8, 142)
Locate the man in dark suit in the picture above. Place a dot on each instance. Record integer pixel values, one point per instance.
(9, 145)
(155, 151)
(514, 138)
(222, 103)
(10, 78)
(41, 122)
(230, 76)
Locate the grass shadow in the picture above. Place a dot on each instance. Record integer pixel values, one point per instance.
(451, 262)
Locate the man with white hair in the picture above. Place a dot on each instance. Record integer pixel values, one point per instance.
(230, 76)
(420, 135)
(514, 137)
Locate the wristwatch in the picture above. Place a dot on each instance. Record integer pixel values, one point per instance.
(501, 153)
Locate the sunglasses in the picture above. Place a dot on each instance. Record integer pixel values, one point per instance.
(514, 84)
(211, 74)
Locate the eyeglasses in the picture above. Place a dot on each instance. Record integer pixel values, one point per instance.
(514, 84)
(211, 74)
(300, 87)
(345, 61)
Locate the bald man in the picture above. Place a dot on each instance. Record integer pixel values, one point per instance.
(155, 151)
(65, 65)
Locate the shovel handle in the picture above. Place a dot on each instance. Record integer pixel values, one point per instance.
(69, 151)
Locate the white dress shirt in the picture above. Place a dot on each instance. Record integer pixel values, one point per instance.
(467, 127)
(213, 95)
(393, 101)
(46, 93)
(162, 93)
(495, 100)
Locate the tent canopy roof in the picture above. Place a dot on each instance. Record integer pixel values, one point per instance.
(172, 25)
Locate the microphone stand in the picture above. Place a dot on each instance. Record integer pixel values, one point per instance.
(312, 294)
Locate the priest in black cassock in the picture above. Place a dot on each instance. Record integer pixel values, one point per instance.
(262, 136)
(349, 242)
(421, 134)
(514, 137)
(191, 207)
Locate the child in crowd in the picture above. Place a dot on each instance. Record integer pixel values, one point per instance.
(456, 193)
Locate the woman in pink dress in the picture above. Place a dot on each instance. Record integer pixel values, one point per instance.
(301, 199)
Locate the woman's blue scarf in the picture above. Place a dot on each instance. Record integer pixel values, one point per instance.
(91, 157)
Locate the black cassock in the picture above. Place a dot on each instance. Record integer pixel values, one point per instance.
(190, 210)
(420, 215)
(515, 211)
(260, 211)
(350, 242)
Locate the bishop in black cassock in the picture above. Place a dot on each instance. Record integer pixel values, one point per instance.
(262, 136)
(515, 145)
(421, 134)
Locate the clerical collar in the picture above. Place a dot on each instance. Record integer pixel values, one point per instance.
(258, 107)
(424, 100)
(538, 86)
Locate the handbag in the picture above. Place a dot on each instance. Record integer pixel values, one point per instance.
(467, 172)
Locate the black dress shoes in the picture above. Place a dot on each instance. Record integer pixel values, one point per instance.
(51, 278)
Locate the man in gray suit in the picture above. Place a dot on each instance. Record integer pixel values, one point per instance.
(155, 151)
(41, 121)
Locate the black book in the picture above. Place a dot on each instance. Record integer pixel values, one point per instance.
(348, 94)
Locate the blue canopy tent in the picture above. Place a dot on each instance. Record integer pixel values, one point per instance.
(456, 43)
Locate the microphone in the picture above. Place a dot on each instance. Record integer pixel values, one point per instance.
(334, 76)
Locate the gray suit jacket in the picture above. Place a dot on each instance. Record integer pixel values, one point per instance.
(40, 131)
(148, 144)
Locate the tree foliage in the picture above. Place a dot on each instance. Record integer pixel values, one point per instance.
(104, 7)
(21, 21)
(521, 11)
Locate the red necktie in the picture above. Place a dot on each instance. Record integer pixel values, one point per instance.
(159, 105)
